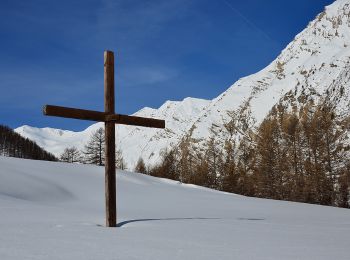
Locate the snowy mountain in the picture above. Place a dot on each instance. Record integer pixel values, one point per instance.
(142, 142)
(315, 64)
(56, 211)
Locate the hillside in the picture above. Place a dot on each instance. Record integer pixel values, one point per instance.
(55, 210)
(14, 145)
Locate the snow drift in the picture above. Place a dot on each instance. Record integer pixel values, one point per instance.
(52, 210)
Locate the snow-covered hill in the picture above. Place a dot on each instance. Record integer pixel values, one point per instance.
(134, 142)
(315, 64)
(56, 211)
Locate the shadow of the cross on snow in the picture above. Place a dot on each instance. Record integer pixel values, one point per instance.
(120, 224)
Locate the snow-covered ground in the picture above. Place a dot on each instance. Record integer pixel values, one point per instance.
(56, 211)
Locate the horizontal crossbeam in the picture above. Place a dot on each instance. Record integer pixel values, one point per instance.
(91, 115)
(75, 113)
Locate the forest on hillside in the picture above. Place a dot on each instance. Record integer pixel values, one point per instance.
(298, 154)
(14, 145)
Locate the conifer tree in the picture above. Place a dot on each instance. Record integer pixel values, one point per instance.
(169, 163)
(292, 136)
(343, 199)
(213, 157)
(229, 176)
(186, 161)
(71, 155)
(94, 152)
(267, 159)
(140, 166)
(119, 160)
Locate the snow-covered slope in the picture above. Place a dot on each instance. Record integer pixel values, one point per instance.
(316, 63)
(134, 142)
(56, 211)
(311, 64)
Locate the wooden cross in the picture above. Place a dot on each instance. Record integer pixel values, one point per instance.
(110, 119)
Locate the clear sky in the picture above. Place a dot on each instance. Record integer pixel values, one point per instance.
(51, 52)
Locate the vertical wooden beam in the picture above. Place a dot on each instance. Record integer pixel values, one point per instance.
(110, 172)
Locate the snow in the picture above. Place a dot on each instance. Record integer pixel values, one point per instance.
(143, 142)
(54, 210)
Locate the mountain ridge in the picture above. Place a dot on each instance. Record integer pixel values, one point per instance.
(178, 116)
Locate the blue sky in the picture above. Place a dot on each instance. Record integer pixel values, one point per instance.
(51, 52)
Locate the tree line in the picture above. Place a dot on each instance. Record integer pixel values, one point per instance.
(300, 155)
(14, 145)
